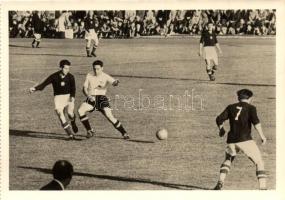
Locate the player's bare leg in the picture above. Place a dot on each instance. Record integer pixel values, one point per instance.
(224, 170)
(64, 123)
(83, 109)
(256, 158)
(95, 45)
(72, 117)
(116, 123)
(88, 48)
(209, 70)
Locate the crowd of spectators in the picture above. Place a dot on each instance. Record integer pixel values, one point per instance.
(131, 23)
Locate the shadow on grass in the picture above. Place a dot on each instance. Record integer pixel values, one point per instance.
(45, 54)
(41, 135)
(125, 179)
(20, 46)
(204, 81)
(130, 140)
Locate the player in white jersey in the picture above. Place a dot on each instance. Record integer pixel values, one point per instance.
(95, 88)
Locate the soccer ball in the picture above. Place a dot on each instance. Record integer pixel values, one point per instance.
(162, 134)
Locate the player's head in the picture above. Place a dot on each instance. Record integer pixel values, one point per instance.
(90, 13)
(64, 65)
(63, 170)
(244, 95)
(210, 26)
(97, 67)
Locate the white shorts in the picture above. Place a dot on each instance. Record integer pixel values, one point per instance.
(210, 53)
(92, 35)
(62, 101)
(37, 36)
(249, 148)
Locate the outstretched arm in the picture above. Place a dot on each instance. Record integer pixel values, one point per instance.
(42, 85)
(220, 122)
(260, 132)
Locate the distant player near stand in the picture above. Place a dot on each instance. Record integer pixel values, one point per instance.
(38, 26)
(90, 35)
(208, 45)
(241, 116)
(63, 84)
(95, 88)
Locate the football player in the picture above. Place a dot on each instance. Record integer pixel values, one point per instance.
(90, 35)
(95, 88)
(63, 84)
(208, 45)
(38, 26)
(241, 116)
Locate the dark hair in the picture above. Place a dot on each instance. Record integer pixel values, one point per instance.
(244, 94)
(64, 62)
(98, 62)
(62, 169)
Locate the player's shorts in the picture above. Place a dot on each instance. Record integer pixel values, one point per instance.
(37, 36)
(62, 101)
(101, 102)
(91, 35)
(249, 148)
(210, 53)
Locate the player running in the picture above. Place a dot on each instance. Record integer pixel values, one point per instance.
(241, 115)
(38, 26)
(90, 35)
(63, 84)
(209, 43)
(95, 88)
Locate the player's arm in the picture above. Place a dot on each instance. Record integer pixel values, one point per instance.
(201, 45)
(85, 89)
(72, 88)
(113, 81)
(218, 45)
(42, 85)
(220, 121)
(257, 125)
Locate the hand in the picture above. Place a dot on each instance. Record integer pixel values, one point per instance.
(71, 99)
(32, 89)
(91, 98)
(222, 132)
(220, 52)
(116, 83)
(263, 140)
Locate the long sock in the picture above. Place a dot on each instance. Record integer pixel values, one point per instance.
(88, 51)
(85, 122)
(224, 170)
(72, 118)
(119, 127)
(37, 45)
(261, 175)
(67, 128)
(33, 42)
(93, 50)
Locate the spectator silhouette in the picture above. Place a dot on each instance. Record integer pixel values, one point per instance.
(62, 175)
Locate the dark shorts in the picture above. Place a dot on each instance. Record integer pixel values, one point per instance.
(101, 102)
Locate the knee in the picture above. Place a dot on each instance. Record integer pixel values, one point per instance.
(59, 111)
(81, 111)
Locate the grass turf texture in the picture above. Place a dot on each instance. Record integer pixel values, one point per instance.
(189, 159)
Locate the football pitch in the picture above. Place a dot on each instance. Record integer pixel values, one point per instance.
(163, 84)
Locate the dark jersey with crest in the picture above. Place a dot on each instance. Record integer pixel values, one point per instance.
(241, 116)
(61, 84)
(89, 23)
(208, 39)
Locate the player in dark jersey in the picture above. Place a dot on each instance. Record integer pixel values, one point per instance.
(38, 27)
(90, 35)
(241, 116)
(208, 45)
(63, 84)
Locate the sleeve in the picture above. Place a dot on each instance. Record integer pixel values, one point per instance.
(253, 116)
(86, 82)
(223, 117)
(110, 79)
(202, 38)
(44, 83)
(72, 86)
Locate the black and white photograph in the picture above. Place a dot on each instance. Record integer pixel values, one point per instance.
(142, 99)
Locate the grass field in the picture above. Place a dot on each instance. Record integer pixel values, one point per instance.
(189, 159)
